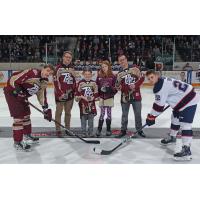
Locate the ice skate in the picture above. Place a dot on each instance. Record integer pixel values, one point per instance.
(31, 140)
(168, 140)
(22, 146)
(184, 155)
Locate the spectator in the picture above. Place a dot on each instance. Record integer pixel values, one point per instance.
(189, 70)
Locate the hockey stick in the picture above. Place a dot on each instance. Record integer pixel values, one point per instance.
(124, 140)
(67, 130)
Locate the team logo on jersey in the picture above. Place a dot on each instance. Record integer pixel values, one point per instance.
(129, 79)
(67, 78)
(33, 90)
(87, 91)
(157, 97)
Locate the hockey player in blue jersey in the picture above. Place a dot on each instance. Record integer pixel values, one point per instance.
(183, 99)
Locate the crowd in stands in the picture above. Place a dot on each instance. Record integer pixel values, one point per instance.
(188, 48)
(24, 48)
(140, 50)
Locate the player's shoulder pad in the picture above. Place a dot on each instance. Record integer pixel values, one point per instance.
(35, 71)
(158, 85)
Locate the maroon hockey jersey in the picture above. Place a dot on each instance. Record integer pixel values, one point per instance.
(125, 78)
(89, 90)
(108, 82)
(30, 82)
(64, 82)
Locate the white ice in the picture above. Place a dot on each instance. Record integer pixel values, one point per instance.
(65, 150)
(37, 118)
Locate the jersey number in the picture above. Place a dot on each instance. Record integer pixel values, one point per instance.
(181, 86)
(33, 90)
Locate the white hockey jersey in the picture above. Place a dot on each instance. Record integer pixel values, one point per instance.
(179, 95)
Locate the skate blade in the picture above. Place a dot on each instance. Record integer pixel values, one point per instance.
(23, 150)
(164, 145)
(32, 142)
(185, 158)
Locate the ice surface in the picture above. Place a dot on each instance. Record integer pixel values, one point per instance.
(37, 118)
(68, 150)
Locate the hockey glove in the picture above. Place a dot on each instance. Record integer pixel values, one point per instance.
(47, 113)
(150, 120)
(19, 94)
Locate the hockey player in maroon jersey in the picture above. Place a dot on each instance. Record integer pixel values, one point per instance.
(65, 84)
(86, 94)
(129, 81)
(20, 86)
(106, 87)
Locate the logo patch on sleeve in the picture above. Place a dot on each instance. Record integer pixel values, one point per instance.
(35, 71)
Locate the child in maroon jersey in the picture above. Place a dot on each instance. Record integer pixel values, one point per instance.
(86, 94)
(106, 85)
(20, 86)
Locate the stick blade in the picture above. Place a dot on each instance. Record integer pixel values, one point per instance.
(104, 152)
(101, 152)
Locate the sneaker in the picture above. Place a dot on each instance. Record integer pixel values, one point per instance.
(30, 139)
(22, 146)
(184, 155)
(168, 140)
(91, 134)
(141, 133)
(69, 133)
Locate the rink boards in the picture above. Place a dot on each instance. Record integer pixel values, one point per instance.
(195, 77)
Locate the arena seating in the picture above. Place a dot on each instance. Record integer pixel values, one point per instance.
(91, 49)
